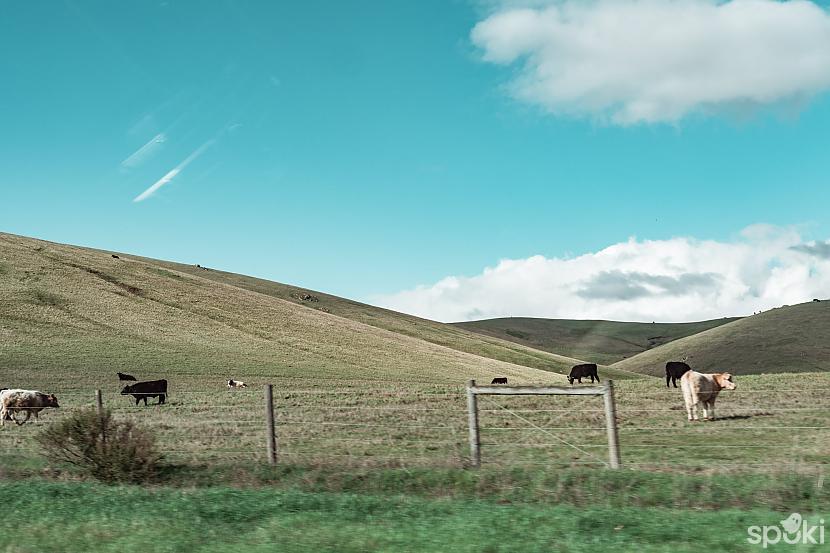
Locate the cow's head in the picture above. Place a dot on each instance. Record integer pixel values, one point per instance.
(724, 381)
(570, 379)
(52, 401)
(127, 390)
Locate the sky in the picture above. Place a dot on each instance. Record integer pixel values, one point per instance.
(622, 159)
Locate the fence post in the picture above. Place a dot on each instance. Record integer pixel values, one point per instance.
(472, 414)
(269, 420)
(99, 405)
(611, 425)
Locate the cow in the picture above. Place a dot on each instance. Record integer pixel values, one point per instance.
(122, 377)
(144, 390)
(674, 370)
(236, 384)
(703, 388)
(499, 380)
(28, 401)
(583, 371)
(115, 256)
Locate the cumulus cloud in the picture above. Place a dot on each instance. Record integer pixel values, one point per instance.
(649, 61)
(675, 280)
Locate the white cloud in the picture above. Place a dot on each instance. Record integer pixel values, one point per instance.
(648, 61)
(170, 175)
(681, 279)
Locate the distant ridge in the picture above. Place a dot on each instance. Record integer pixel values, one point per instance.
(603, 342)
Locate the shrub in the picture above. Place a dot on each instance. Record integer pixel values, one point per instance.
(107, 449)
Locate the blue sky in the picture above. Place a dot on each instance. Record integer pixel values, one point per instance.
(366, 148)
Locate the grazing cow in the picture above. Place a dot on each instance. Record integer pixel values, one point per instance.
(499, 380)
(115, 256)
(236, 384)
(674, 370)
(122, 377)
(583, 371)
(27, 401)
(703, 388)
(144, 390)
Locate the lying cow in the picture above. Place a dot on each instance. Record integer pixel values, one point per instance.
(583, 371)
(122, 377)
(27, 401)
(144, 390)
(499, 380)
(236, 384)
(674, 370)
(704, 389)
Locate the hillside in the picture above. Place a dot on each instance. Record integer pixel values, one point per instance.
(82, 310)
(603, 342)
(450, 336)
(787, 339)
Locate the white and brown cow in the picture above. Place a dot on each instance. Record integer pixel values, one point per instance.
(699, 388)
(26, 401)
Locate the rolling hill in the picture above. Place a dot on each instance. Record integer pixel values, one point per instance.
(80, 309)
(786, 339)
(602, 342)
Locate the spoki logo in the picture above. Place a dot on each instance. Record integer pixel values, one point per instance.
(792, 530)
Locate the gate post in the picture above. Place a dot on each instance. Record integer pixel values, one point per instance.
(611, 425)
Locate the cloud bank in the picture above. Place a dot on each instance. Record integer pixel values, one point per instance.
(651, 61)
(676, 280)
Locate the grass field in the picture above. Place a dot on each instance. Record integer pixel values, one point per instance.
(98, 518)
(364, 423)
(601, 342)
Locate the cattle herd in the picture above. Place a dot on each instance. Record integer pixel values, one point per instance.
(32, 402)
(698, 389)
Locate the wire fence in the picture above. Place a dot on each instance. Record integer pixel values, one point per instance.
(371, 424)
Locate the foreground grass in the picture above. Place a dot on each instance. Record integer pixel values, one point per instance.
(59, 517)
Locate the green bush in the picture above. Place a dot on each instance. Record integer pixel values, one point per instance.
(100, 446)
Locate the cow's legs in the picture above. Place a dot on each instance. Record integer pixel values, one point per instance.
(24, 421)
(712, 410)
(668, 379)
(674, 381)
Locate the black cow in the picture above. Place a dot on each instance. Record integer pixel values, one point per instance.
(122, 377)
(583, 371)
(499, 380)
(674, 370)
(143, 390)
(115, 256)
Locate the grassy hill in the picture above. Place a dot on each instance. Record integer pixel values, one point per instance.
(70, 310)
(603, 342)
(787, 339)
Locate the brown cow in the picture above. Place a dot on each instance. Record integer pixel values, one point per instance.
(703, 388)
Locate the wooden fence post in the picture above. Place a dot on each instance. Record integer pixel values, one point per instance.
(611, 425)
(269, 420)
(472, 415)
(99, 405)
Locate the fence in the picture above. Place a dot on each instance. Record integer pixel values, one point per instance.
(378, 424)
